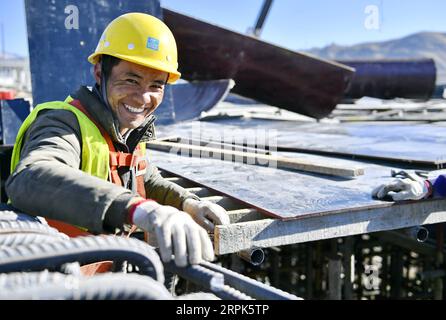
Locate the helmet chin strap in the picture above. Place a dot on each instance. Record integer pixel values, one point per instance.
(103, 91)
(104, 86)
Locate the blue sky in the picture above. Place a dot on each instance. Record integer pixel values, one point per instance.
(295, 24)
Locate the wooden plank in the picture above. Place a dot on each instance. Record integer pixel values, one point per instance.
(212, 144)
(225, 202)
(257, 159)
(181, 182)
(272, 232)
(242, 215)
(199, 191)
(397, 116)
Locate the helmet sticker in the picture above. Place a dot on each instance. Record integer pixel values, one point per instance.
(153, 44)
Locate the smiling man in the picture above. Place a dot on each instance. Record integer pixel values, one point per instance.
(83, 161)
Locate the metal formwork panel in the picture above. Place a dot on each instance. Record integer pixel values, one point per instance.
(13, 113)
(411, 144)
(186, 101)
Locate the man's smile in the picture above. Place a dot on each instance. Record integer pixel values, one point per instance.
(133, 109)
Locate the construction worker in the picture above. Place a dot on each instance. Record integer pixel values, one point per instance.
(83, 161)
(411, 187)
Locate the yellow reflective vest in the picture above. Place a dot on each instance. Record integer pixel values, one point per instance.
(95, 151)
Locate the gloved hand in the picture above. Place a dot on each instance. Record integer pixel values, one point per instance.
(206, 213)
(175, 232)
(411, 188)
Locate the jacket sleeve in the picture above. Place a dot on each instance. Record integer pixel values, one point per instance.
(163, 191)
(48, 181)
(439, 185)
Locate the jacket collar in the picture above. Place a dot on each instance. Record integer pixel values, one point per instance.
(93, 103)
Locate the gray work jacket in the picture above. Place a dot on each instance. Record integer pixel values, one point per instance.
(48, 182)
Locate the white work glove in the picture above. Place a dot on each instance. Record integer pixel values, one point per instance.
(206, 213)
(403, 189)
(175, 233)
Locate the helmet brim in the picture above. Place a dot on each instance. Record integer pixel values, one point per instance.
(174, 75)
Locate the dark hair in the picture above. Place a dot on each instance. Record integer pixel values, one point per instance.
(108, 62)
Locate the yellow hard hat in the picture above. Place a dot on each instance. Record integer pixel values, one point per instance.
(142, 39)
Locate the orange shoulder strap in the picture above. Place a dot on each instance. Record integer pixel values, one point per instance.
(119, 159)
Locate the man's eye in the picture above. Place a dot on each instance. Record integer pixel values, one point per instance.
(131, 81)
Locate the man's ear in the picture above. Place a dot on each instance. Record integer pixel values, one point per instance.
(98, 72)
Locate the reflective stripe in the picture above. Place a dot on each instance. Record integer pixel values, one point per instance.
(95, 157)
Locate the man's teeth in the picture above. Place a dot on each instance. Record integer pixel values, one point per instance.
(134, 110)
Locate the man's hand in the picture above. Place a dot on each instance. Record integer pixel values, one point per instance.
(403, 189)
(175, 232)
(206, 213)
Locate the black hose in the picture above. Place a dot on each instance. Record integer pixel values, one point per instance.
(50, 286)
(37, 257)
(207, 279)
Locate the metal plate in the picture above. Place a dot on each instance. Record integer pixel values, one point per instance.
(387, 79)
(278, 193)
(262, 71)
(13, 113)
(186, 101)
(417, 144)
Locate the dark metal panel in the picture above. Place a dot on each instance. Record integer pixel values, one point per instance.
(5, 164)
(59, 55)
(191, 99)
(13, 113)
(262, 71)
(186, 101)
(387, 79)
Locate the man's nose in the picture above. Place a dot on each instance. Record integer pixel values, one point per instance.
(148, 97)
(144, 98)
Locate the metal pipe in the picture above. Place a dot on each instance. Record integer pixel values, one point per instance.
(211, 280)
(420, 233)
(255, 256)
(387, 79)
(248, 286)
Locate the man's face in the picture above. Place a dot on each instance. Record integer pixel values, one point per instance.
(134, 92)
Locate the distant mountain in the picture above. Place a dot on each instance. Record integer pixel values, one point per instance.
(419, 45)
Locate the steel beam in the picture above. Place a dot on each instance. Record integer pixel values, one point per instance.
(272, 232)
